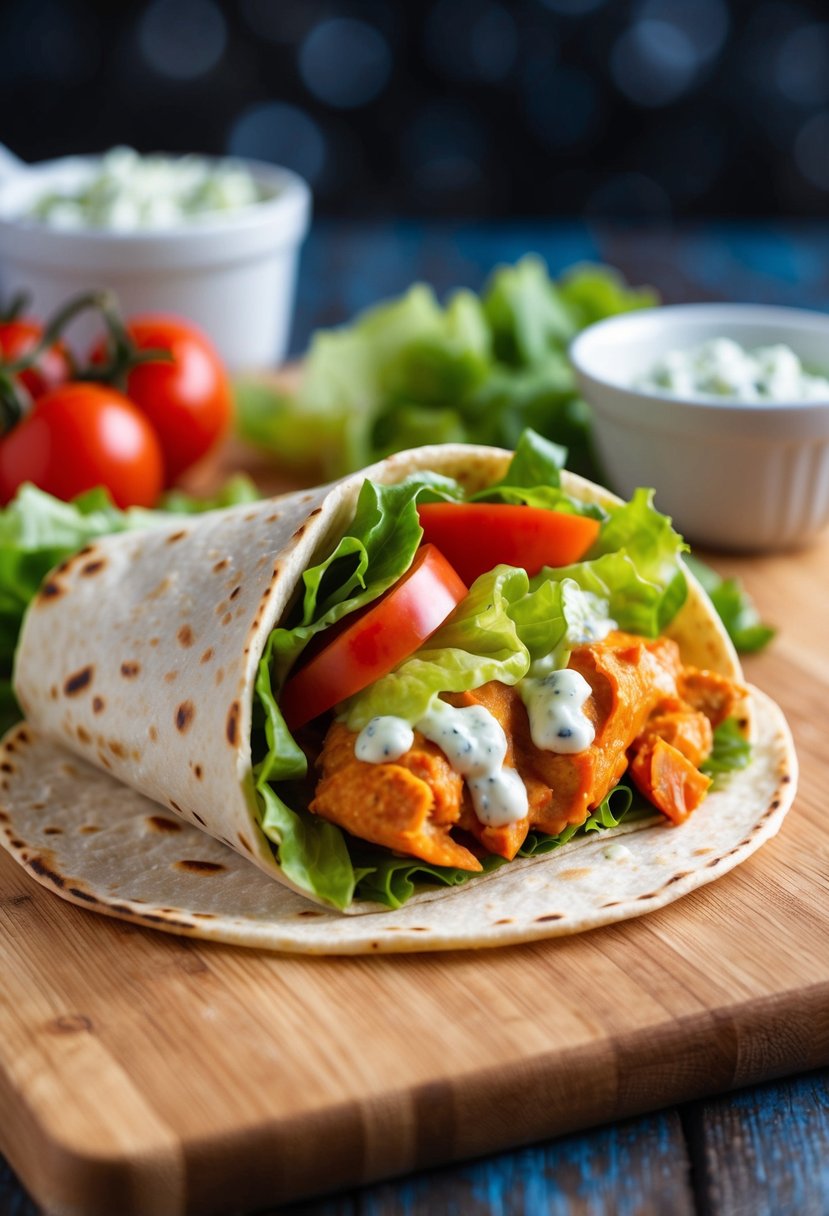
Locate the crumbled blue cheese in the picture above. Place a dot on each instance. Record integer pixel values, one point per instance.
(127, 192)
(723, 368)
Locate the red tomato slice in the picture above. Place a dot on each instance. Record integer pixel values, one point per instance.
(372, 643)
(475, 537)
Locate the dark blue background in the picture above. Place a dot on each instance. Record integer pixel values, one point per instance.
(614, 108)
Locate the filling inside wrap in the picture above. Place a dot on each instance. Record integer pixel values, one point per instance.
(546, 702)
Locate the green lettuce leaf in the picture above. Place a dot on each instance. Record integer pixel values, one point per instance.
(731, 750)
(412, 371)
(735, 608)
(633, 567)
(478, 643)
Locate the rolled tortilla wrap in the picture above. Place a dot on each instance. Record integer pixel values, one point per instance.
(140, 653)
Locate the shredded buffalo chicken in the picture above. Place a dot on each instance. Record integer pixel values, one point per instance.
(652, 717)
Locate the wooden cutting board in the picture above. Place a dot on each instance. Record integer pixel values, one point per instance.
(141, 1073)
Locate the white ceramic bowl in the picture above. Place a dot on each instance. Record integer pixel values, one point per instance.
(741, 477)
(234, 275)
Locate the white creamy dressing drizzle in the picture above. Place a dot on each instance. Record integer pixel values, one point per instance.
(475, 745)
(473, 742)
(383, 739)
(555, 707)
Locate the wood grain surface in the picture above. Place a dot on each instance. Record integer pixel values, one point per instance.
(146, 1074)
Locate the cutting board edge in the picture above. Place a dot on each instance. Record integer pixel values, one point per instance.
(556, 1088)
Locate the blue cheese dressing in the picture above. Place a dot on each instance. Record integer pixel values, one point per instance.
(475, 745)
(555, 708)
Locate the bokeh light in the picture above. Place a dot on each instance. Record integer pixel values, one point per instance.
(281, 134)
(811, 150)
(654, 62)
(801, 66)
(560, 102)
(345, 62)
(443, 150)
(471, 40)
(182, 39)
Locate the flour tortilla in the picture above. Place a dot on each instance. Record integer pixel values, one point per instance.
(140, 655)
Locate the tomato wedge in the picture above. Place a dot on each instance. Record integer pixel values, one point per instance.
(372, 643)
(475, 537)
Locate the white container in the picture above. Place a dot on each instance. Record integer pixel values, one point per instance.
(233, 275)
(741, 477)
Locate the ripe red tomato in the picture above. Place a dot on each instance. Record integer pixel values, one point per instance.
(52, 368)
(374, 641)
(79, 436)
(478, 536)
(188, 400)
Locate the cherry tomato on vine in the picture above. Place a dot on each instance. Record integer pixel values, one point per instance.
(188, 399)
(79, 436)
(52, 367)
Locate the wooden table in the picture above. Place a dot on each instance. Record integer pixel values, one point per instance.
(762, 1150)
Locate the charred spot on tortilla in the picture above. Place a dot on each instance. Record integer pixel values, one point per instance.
(244, 842)
(93, 567)
(130, 669)
(50, 590)
(232, 724)
(160, 588)
(98, 705)
(193, 865)
(171, 540)
(6, 767)
(38, 866)
(152, 732)
(23, 735)
(117, 749)
(221, 565)
(676, 877)
(271, 519)
(159, 823)
(176, 806)
(53, 831)
(235, 591)
(220, 675)
(185, 636)
(79, 680)
(549, 916)
(103, 759)
(86, 896)
(83, 735)
(227, 618)
(170, 677)
(198, 771)
(199, 819)
(53, 692)
(154, 641)
(207, 655)
(88, 829)
(184, 716)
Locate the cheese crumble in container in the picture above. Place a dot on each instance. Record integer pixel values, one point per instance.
(743, 467)
(214, 241)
